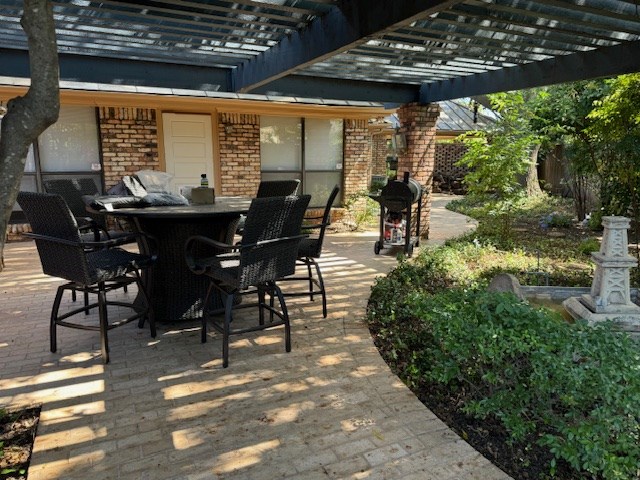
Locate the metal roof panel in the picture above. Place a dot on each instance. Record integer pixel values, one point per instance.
(413, 43)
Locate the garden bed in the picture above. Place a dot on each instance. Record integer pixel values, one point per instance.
(538, 397)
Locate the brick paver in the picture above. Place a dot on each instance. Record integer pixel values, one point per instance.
(165, 408)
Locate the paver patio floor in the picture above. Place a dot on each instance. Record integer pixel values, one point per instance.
(166, 409)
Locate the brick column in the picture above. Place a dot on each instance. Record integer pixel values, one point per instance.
(418, 124)
(239, 136)
(379, 153)
(356, 157)
(129, 142)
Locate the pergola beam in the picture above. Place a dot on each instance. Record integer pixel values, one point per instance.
(352, 23)
(391, 94)
(82, 68)
(602, 62)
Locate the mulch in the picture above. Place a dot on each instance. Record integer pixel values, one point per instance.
(17, 434)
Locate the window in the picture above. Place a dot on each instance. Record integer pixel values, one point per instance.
(67, 149)
(316, 161)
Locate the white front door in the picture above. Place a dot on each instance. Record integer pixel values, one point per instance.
(188, 149)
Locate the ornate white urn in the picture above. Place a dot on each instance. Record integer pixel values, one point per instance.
(610, 297)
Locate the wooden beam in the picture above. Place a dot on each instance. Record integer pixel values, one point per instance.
(346, 26)
(84, 68)
(391, 94)
(603, 62)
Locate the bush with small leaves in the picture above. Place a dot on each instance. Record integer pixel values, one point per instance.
(573, 389)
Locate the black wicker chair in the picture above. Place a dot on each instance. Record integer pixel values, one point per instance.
(93, 227)
(271, 188)
(73, 190)
(277, 188)
(310, 249)
(266, 254)
(94, 267)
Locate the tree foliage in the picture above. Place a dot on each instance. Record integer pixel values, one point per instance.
(598, 123)
(615, 131)
(562, 118)
(499, 158)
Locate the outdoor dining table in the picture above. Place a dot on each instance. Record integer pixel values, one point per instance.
(176, 293)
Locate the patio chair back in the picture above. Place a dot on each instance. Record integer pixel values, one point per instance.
(269, 246)
(313, 244)
(72, 190)
(277, 188)
(90, 267)
(309, 249)
(49, 216)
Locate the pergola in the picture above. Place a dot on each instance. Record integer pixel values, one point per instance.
(387, 51)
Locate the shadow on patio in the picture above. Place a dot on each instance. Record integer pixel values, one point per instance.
(165, 408)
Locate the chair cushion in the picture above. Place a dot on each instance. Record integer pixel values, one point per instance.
(163, 199)
(99, 202)
(154, 181)
(115, 262)
(116, 237)
(133, 186)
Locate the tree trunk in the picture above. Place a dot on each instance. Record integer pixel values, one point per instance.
(28, 116)
(532, 182)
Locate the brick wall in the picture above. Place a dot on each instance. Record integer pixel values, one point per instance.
(239, 136)
(446, 155)
(129, 141)
(379, 152)
(418, 124)
(357, 171)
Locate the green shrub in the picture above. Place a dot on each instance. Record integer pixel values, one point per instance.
(589, 245)
(556, 219)
(595, 221)
(361, 209)
(571, 388)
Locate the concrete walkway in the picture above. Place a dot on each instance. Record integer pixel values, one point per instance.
(165, 408)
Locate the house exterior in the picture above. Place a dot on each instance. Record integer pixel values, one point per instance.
(237, 140)
(408, 55)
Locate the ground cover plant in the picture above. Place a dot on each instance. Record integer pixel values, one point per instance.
(541, 232)
(539, 397)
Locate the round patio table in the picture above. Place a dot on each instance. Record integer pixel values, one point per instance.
(176, 293)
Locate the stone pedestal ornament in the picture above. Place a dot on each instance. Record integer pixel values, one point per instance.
(610, 296)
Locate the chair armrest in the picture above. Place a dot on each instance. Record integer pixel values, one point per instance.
(315, 225)
(192, 241)
(100, 245)
(90, 224)
(271, 242)
(62, 241)
(190, 245)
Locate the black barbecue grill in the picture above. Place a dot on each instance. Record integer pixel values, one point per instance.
(396, 201)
